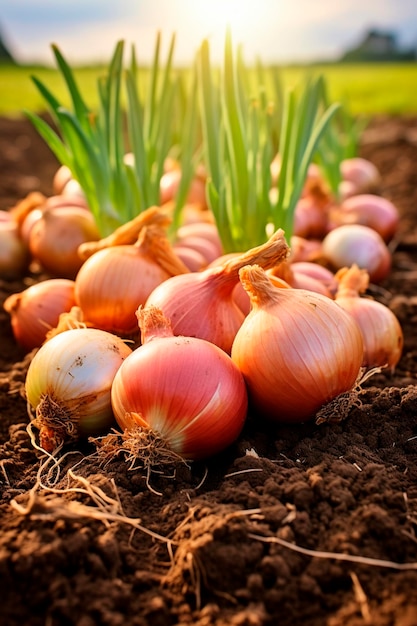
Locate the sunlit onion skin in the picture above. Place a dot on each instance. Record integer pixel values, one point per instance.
(297, 350)
(36, 310)
(202, 304)
(354, 243)
(114, 281)
(381, 331)
(55, 237)
(68, 385)
(186, 390)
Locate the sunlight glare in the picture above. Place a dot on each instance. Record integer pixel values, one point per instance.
(215, 16)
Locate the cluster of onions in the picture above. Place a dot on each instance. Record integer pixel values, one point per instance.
(185, 390)
(203, 304)
(355, 228)
(68, 385)
(36, 310)
(115, 280)
(51, 230)
(381, 331)
(297, 350)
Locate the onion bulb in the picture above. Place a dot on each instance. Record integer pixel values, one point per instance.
(185, 390)
(36, 310)
(203, 304)
(55, 237)
(14, 254)
(361, 174)
(297, 350)
(114, 281)
(370, 210)
(354, 243)
(68, 385)
(381, 331)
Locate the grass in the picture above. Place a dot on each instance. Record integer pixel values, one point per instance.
(368, 89)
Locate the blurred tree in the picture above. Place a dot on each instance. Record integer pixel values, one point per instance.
(377, 45)
(5, 54)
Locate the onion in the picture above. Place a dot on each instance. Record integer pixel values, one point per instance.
(68, 385)
(192, 258)
(61, 178)
(297, 350)
(361, 173)
(354, 243)
(36, 310)
(202, 304)
(114, 281)
(311, 217)
(299, 279)
(186, 390)
(169, 185)
(201, 236)
(320, 273)
(303, 249)
(370, 210)
(381, 331)
(14, 254)
(55, 237)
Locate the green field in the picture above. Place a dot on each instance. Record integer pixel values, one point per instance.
(367, 88)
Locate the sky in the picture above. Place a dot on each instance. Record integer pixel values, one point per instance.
(273, 30)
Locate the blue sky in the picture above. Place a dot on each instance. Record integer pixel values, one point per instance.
(274, 30)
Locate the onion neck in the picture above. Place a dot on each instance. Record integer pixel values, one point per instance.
(353, 281)
(127, 233)
(257, 284)
(154, 240)
(153, 324)
(267, 255)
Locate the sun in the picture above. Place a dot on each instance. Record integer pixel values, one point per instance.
(215, 16)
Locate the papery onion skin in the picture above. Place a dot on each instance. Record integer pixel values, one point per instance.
(68, 384)
(36, 310)
(297, 350)
(382, 334)
(186, 390)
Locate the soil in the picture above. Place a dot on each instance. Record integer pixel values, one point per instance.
(243, 539)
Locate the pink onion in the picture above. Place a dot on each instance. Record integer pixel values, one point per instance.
(185, 390)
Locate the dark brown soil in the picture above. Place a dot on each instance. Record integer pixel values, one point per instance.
(346, 487)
